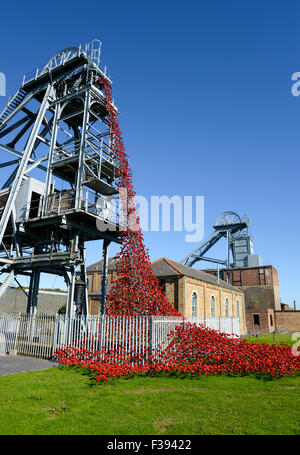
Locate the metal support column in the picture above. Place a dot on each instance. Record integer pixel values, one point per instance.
(62, 130)
(23, 163)
(83, 275)
(33, 292)
(51, 150)
(228, 248)
(80, 171)
(104, 276)
(71, 289)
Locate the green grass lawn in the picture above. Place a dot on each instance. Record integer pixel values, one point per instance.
(270, 338)
(63, 401)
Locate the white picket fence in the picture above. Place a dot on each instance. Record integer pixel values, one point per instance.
(41, 335)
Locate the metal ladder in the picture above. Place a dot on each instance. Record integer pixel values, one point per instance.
(12, 104)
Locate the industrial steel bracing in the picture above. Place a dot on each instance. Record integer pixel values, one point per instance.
(229, 225)
(62, 190)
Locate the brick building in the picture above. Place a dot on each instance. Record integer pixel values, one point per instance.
(262, 295)
(93, 272)
(192, 292)
(264, 311)
(260, 284)
(288, 320)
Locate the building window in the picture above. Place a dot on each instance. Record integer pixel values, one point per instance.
(226, 308)
(271, 319)
(212, 307)
(237, 308)
(194, 305)
(34, 205)
(256, 319)
(162, 285)
(227, 277)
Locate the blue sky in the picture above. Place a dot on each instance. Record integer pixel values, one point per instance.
(204, 90)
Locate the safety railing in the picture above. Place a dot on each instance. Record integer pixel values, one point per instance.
(61, 202)
(91, 51)
(42, 335)
(96, 148)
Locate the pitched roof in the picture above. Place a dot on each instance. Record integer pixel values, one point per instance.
(164, 267)
(97, 266)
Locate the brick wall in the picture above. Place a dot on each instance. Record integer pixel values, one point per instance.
(260, 283)
(289, 320)
(266, 319)
(204, 291)
(172, 291)
(179, 292)
(262, 297)
(94, 280)
(249, 276)
(94, 305)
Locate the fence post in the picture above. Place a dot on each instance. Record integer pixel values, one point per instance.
(55, 335)
(17, 332)
(101, 327)
(104, 277)
(150, 337)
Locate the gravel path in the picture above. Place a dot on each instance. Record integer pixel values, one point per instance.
(11, 364)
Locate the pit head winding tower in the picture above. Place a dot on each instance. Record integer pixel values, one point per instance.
(62, 191)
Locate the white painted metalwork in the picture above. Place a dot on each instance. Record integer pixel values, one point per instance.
(69, 138)
(41, 335)
(90, 51)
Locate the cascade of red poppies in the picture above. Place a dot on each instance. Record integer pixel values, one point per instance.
(189, 350)
(136, 289)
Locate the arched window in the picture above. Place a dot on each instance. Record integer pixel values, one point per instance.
(212, 307)
(194, 305)
(237, 308)
(226, 308)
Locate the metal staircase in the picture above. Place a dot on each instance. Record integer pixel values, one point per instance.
(44, 227)
(12, 104)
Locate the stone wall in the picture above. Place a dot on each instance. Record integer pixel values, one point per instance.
(15, 301)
